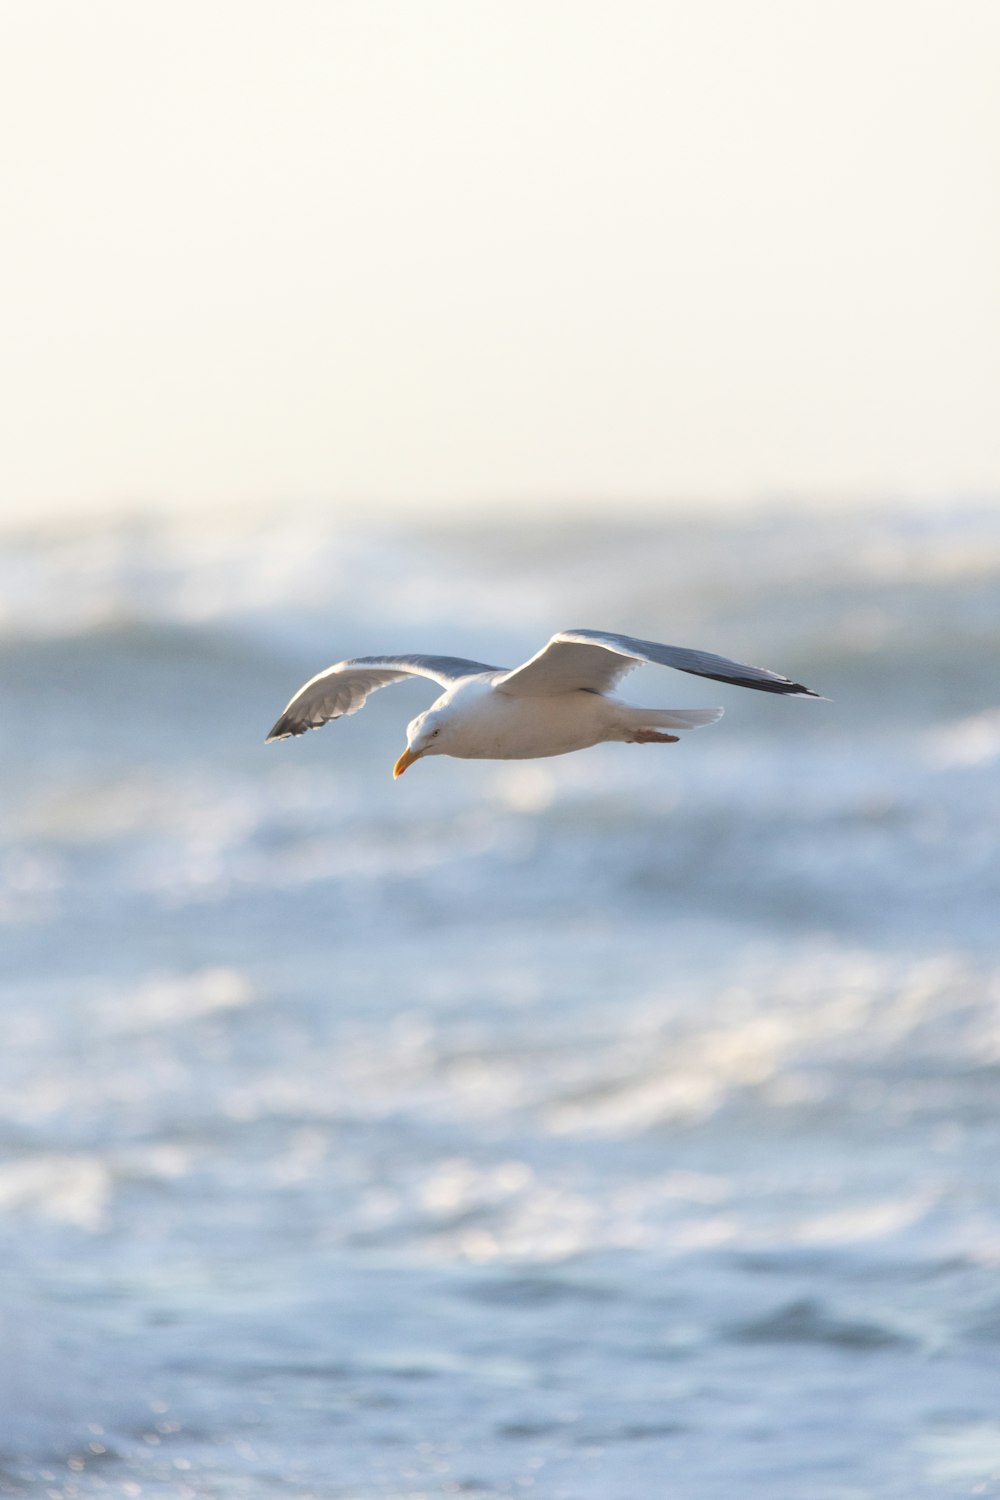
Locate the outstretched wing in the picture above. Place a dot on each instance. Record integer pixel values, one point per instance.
(595, 661)
(344, 688)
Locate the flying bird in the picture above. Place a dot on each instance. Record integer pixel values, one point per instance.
(560, 700)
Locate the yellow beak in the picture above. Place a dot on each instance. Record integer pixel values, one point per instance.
(406, 759)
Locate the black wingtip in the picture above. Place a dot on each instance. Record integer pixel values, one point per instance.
(786, 689)
(284, 730)
(288, 728)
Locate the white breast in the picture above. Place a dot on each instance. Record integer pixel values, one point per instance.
(487, 724)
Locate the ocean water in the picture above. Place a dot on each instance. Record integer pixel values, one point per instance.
(603, 1128)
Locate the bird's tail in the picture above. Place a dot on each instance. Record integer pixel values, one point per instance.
(670, 718)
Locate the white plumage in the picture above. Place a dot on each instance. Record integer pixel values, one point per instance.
(560, 700)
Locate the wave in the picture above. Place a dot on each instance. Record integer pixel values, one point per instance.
(189, 571)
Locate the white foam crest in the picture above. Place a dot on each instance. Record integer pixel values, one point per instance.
(856, 1223)
(191, 572)
(783, 1035)
(69, 1188)
(196, 569)
(545, 1219)
(30, 883)
(175, 999)
(970, 741)
(181, 571)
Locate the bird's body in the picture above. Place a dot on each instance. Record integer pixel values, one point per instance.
(487, 725)
(551, 705)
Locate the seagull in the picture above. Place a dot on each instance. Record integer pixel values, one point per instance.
(560, 700)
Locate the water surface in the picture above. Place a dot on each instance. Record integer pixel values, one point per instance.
(600, 1128)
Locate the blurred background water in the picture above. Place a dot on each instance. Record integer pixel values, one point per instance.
(590, 1127)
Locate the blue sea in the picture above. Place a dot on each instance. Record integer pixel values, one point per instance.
(611, 1127)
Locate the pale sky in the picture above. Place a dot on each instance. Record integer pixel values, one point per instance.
(452, 253)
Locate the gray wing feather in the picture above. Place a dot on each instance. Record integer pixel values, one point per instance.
(596, 660)
(343, 689)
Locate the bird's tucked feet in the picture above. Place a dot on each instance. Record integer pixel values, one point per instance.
(651, 737)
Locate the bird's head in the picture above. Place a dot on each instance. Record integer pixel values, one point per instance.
(427, 734)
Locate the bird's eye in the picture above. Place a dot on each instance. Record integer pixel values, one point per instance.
(435, 734)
